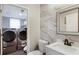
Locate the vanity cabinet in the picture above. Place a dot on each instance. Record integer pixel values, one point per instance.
(50, 51)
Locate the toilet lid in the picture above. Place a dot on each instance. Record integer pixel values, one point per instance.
(36, 52)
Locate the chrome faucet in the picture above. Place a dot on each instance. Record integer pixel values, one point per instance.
(66, 41)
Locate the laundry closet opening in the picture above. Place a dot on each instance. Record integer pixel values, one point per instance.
(14, 29)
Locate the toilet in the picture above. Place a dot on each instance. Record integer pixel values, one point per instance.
(42, 48)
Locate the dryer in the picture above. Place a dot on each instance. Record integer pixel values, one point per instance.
(22, 37)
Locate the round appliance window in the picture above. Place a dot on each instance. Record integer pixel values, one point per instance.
(22, 35)
(9, 36)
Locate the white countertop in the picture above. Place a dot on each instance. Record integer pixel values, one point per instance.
(64, 49)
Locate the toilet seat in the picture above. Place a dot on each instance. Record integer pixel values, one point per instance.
(36, 52)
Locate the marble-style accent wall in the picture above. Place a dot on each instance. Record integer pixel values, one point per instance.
(48, 25)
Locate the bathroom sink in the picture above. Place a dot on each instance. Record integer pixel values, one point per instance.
(63, 49)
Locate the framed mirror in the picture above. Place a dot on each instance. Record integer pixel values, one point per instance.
(68, 21)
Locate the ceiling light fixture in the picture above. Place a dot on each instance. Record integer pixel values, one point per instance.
(21, 13)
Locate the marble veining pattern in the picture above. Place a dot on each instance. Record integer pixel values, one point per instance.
(48, 25)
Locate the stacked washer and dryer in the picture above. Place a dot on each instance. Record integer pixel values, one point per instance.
(14, 40)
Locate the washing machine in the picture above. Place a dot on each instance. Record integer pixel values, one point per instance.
(22, 37)
(9, 40)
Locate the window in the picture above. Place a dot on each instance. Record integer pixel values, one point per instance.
(14, 23)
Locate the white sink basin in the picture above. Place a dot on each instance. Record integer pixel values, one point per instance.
(63, 49)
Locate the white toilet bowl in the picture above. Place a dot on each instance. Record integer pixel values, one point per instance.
(42, 48)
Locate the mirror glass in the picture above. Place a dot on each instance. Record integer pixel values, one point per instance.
(68, 21)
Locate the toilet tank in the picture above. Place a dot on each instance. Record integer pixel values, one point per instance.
(42, 45)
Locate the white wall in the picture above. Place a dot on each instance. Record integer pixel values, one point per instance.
(33, 25)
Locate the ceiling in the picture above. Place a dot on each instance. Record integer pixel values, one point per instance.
(58, 6)
(14, 12)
